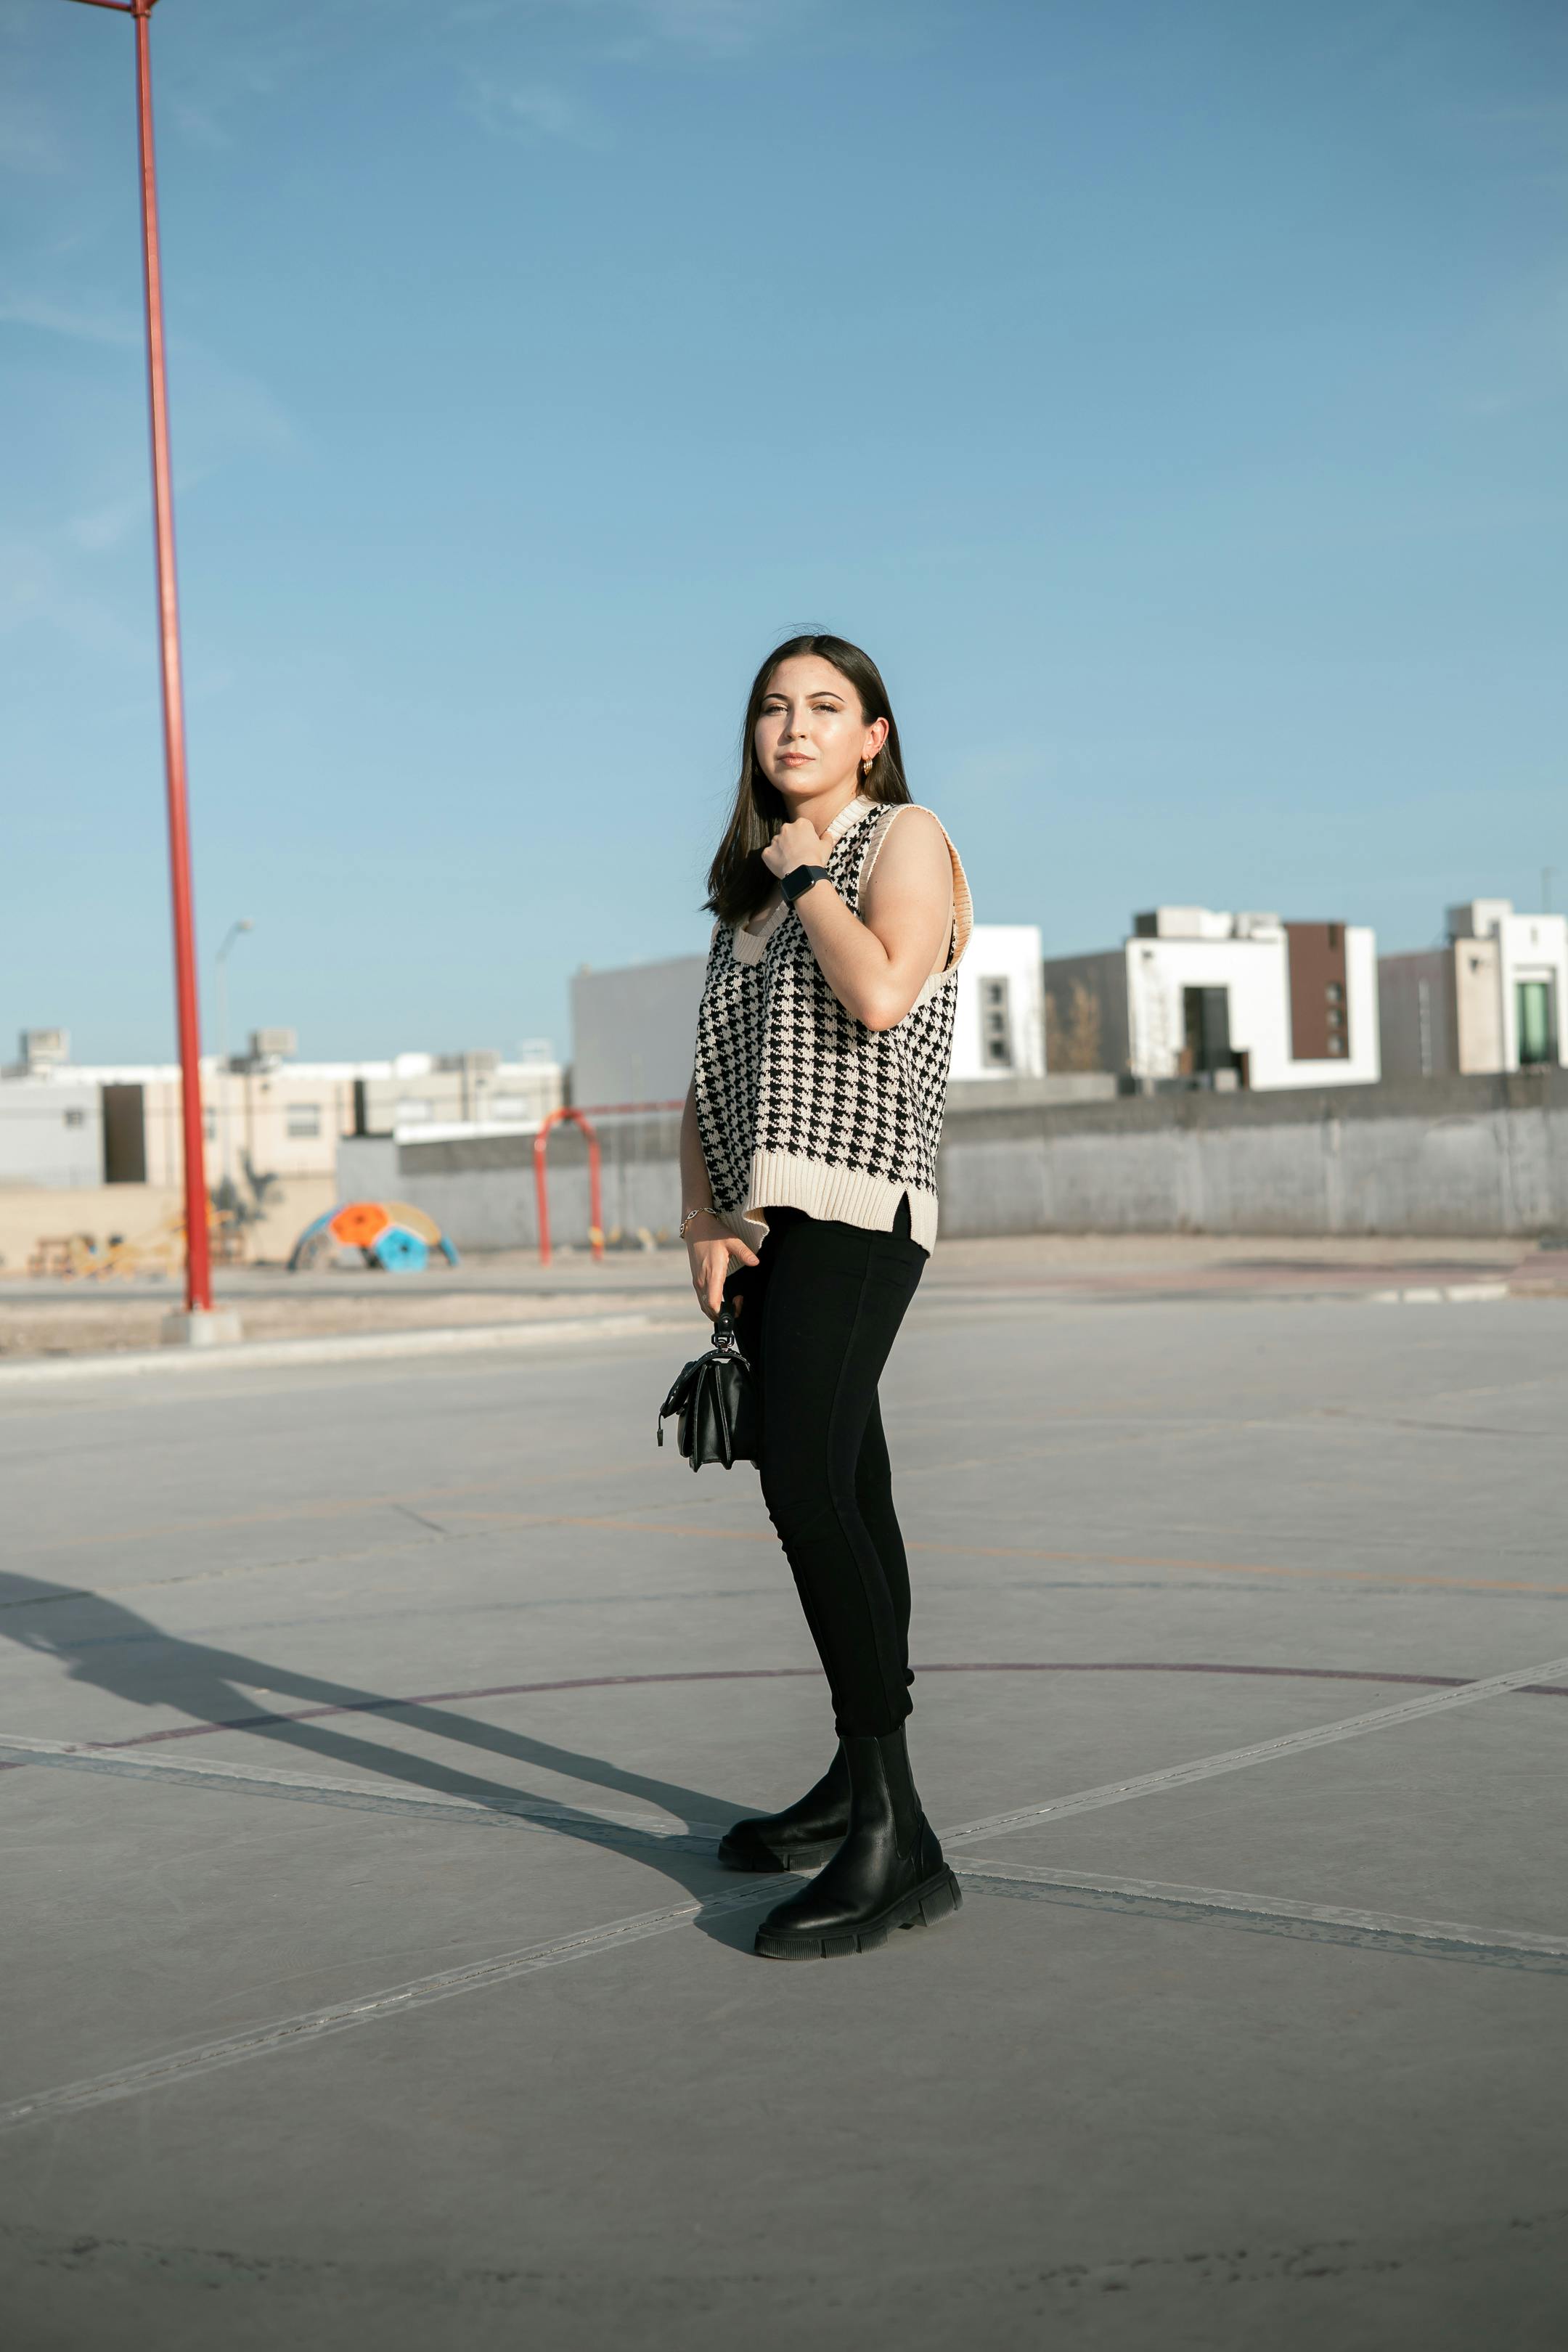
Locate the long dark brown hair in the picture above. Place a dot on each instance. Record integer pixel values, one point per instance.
(738, 881)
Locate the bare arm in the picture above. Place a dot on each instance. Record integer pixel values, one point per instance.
(709, 1248)
(877, 962)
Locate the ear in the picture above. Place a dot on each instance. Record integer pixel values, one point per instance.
(876, 736)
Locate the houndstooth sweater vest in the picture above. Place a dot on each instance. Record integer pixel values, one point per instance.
(798, 1103)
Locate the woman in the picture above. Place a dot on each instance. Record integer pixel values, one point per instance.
(808, 1168)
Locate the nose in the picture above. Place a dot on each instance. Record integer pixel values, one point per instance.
(795, 723)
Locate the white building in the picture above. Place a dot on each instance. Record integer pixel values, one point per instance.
(999, 1025)
(68, 1125)
(634, 1030)
(1493, 997)
(1221, 1000)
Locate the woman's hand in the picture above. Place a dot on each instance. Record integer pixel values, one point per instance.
(795, 843)
(709, 1251)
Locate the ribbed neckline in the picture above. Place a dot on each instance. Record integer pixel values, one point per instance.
(850, 814)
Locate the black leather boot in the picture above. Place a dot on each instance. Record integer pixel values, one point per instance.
(889, 1873)
(799, 1838)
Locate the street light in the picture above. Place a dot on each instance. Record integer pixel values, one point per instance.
(198, 1324)
(232, 932)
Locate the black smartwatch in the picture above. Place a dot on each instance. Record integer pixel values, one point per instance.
(799, 879)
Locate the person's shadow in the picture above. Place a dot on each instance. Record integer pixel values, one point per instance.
(99, 1642)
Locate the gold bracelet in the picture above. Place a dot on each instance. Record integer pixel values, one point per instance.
(708, 1212)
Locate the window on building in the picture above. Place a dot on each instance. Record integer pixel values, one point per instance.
(996, 1024)
(75, 1118)
(303, 1118)
(209, 1123)
(413, 1108)
(1537, 1027)
(1336, 1017)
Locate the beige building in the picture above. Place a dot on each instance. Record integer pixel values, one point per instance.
(73, 1125)
(1493, 997)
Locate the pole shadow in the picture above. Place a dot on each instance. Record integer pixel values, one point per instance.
(101, 1643)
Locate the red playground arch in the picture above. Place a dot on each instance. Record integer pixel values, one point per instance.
(541, 1187)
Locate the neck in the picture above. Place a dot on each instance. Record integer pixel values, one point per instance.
(819, 809)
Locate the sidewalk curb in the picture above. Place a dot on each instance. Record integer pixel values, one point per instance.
(344, 1348)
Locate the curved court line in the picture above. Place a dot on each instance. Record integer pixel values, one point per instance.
(793, 1674)
(371, 2007)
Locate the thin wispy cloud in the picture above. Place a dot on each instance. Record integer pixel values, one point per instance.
(531, 109)
(1523, 360)
(103, 527)
(624, 27)
(80, 325)
(29, 142)
(715, 29)
(38, 590)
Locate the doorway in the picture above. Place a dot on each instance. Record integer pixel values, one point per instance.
(1537, 1022)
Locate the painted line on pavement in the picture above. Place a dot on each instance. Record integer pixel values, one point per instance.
(370, 1796)
(1262, 1751)
(1323, 1922)
(1448, 1294)
(252, 1355)
(372, 2009)
(377, 1706)
(291, 2032)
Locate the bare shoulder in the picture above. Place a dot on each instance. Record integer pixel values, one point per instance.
(912, 853)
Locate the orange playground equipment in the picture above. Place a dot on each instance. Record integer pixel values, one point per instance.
(393, 1236)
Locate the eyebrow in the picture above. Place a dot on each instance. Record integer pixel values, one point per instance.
(778, 694)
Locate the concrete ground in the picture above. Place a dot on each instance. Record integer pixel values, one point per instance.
(41, 1316)
(365, 1730)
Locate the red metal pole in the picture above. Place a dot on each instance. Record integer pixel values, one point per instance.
(595, 1204)
(198, 1263)
(542, 1186)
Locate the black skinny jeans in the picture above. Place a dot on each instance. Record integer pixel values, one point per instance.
(817, 1317)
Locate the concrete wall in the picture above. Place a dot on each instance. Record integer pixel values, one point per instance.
(1458, 1156)
(1482, 1157)
(481, 1191)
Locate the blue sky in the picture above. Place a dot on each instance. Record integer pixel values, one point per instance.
(1172, 398)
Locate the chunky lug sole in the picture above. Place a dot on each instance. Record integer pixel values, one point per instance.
(939, 1898)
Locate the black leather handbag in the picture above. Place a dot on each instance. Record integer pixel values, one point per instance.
(716, 1401)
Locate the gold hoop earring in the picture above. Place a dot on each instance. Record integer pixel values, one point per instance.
(870, 764)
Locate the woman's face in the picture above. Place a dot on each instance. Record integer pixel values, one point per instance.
(812, 735)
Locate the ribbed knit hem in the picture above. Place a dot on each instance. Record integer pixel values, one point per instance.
(787, 1179)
